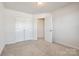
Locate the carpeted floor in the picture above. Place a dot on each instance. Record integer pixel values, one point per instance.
(38, 48)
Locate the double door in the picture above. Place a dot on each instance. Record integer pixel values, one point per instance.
(24, 29)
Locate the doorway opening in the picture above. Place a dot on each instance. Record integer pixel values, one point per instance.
(40, 28)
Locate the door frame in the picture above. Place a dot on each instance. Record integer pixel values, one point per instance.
(44, 15)
(43, 27)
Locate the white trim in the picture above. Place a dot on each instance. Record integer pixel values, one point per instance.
(36, 16)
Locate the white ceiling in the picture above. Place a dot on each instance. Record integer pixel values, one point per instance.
(31, 7)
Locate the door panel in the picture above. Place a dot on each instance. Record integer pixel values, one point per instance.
(19, 29)
(48, 28)
(28, 29)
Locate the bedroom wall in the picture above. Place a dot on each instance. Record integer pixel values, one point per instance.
(67, 25)
(2, 31)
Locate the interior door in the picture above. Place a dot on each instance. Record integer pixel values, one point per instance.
(48, 28)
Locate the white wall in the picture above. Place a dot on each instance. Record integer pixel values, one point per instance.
(10, 26)
(67, 25)
(2, 31)
(11, 19)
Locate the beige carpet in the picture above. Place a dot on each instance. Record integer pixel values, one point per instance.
(38, 48)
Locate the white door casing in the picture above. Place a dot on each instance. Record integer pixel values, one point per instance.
(48, 26)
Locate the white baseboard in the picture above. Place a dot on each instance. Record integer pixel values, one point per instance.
(11, 42)
(68, 45)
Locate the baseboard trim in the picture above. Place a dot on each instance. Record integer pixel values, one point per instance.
(67, 45)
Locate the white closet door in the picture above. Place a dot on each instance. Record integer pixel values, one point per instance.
(24, 28)
(19, 29)
(28, 31)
